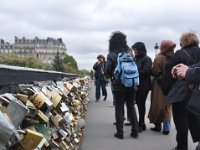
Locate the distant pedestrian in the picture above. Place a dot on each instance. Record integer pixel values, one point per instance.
(144, 64)
(122, 94)
(159, 111)
(100, 83)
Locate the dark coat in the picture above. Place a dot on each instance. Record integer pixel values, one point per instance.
(110, 67)
(144, 64)
(181, 92)
(99, 69)
(192, 74)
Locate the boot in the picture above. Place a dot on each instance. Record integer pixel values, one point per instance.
(157, 127)
(142, 127)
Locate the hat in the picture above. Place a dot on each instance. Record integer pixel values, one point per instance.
(166, 45)
(100, 56)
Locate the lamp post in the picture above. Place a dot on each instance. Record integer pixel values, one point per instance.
(156, 47)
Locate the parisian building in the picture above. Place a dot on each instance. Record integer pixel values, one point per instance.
(43, 49)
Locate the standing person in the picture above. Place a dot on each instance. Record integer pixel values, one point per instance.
(122, 94)
(99, 68)
(144, 64)
(183, 119)
(160, 112)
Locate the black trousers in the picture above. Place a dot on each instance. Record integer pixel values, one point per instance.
(141, 97)
(121, 98)
(184, 120)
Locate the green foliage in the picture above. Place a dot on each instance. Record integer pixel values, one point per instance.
(84, 72)
(70, 64)
(30, 62)
(57, 63)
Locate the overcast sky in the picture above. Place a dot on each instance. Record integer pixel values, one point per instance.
(86, 25)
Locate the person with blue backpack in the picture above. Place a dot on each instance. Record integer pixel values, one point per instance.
(122, 70)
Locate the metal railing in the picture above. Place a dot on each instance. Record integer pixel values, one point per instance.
(12, 76)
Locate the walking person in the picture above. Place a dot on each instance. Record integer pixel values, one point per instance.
(144, 64)
(183, 119)
(122, 94)
(100, 83)
(159, 111)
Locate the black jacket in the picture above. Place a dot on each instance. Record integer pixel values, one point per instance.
(99, 69)
(144, 64)
(181, 57)
(110, 67)
(192, 74)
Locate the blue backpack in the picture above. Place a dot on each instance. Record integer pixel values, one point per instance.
(126, 70)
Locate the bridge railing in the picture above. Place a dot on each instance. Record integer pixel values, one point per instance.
(12, 76)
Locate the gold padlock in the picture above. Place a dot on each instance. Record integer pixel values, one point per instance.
(22, 97)
(56, 98)
(56, 119)
(37, 99)
(42, 116)
(31, 140)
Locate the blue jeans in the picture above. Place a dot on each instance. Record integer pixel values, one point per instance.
(100, 84)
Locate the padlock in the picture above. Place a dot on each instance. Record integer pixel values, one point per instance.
(42, 102)
(68, 117)
(68, 86)
(22, 97)
(56, 98)
(56, 119)
(17, 107)
(38, 100)
(41, 144)
(7, 130)
(46, 91)
(63, 133)
(64, 146)
(42, 116)
(31, 140)
(55, 135)
(61, 87)
(64, 108)
(32, 109)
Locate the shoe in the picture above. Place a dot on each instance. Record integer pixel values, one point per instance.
(127, 124)
(156, 129)
(165, 132)
(97, 100)
(119, 136)
(105, 98)
(134, 135)
(198, 147)
(142, 127)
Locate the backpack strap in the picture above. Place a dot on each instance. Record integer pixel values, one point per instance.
(189, 56)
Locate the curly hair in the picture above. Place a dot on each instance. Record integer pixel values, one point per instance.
(188, 38)
(117, 42)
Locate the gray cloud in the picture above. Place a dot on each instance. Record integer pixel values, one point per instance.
(86, 25)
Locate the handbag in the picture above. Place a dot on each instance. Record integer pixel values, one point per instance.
(179, 92)
(193, 104)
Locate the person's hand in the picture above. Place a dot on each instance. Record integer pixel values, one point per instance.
(173, 71)
(181, 71)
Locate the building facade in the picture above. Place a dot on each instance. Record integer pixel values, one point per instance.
(43, 49)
